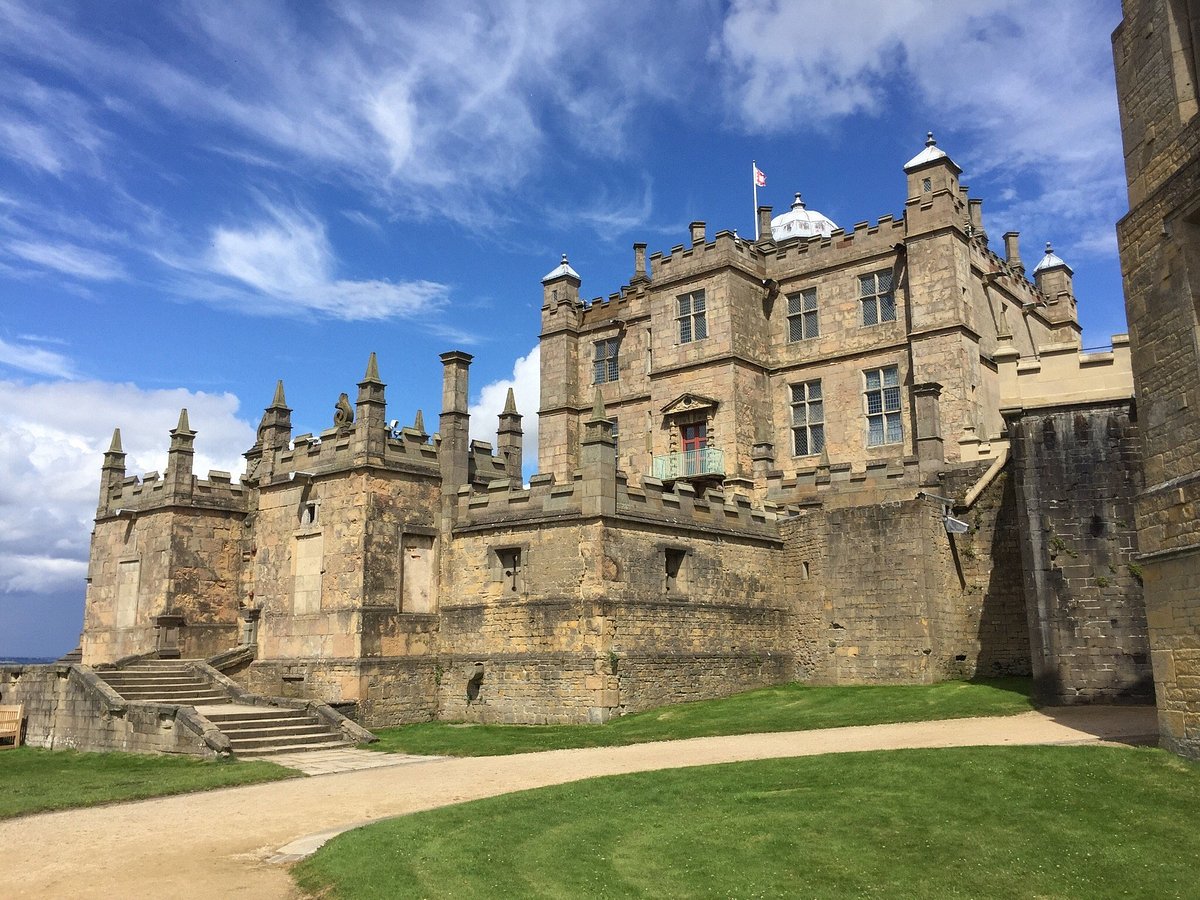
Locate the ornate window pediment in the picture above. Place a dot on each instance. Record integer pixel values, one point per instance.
(690, 403)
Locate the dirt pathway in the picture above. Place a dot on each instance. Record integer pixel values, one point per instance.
(217, 844)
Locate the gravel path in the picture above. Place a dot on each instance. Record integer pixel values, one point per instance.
(230, 842)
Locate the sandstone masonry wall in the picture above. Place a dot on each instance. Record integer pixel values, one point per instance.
(1076, 475)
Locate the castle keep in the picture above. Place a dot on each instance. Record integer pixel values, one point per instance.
(873, 454)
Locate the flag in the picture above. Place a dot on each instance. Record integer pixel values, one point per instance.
(760, 178)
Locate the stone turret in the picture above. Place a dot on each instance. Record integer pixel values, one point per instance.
(1054, 278)
(558, 413)
(509, 439)
(112, 471)
(179, 480)
(370, 414)
(934, 197)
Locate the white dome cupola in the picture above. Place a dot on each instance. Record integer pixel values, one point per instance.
(801, 222)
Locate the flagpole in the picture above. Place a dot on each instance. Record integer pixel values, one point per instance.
(754, 181)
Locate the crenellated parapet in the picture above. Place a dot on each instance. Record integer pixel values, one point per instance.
(725, 250)
(862, 240)
(1063, 375)
(647, 500)
(843, 484)
(151, 491)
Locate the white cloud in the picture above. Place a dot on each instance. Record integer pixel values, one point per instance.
(288, 261)
(69, 259)
(34, 360)
(526, 386)
(52, 439)
(999, 75)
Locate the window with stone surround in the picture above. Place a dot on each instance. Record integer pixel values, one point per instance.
(808, 419)
(876, 297)
(802, 315)
(605, 361)
(882, 399)
(691, 315)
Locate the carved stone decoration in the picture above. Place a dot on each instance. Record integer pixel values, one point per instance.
(343, 413)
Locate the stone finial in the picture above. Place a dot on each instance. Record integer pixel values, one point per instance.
(419, 423)
(278, 401)
(372, 369)
(929, 139)
(115, 445)
(598, 414)
(510, 403)
(183, 428)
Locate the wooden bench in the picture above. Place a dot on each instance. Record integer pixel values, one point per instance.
(10, 725)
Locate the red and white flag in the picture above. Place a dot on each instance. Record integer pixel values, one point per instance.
(760, 177)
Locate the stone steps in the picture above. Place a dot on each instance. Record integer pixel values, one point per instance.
(252, 730)
(274, 730)
(163, 681)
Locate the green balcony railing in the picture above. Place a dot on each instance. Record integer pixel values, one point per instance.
(689, 464)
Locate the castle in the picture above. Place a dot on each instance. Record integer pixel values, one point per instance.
(865, 455)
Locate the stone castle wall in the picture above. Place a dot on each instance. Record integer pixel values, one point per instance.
(1076, 474)
(1159, 239)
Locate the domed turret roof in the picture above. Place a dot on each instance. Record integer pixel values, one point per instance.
(931, 153)
(1049, 261)
(801, 222)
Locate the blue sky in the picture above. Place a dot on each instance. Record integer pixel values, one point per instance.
(198, 199)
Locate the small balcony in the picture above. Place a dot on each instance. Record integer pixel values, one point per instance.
(690, 464)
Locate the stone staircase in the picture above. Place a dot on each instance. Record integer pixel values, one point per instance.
(164, 681)
(252, 730)
(74, 656)
(260, 731)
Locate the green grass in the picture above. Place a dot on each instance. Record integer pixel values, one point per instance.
(1026, 822)
(789, 707)
(39, 780)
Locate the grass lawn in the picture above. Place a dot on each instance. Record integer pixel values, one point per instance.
(788, 707)
(38, 780)
(1020, 822)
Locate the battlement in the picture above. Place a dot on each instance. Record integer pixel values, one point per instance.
(333, 450)
(1015, 283)
(218, 491)
(725, 249)
(644, 498)
(1062, 374)
(842, 246)
(841, 484)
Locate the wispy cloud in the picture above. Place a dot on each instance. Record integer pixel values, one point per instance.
(436, 112)
(288, 263)
(69, 259)
(35, 360)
